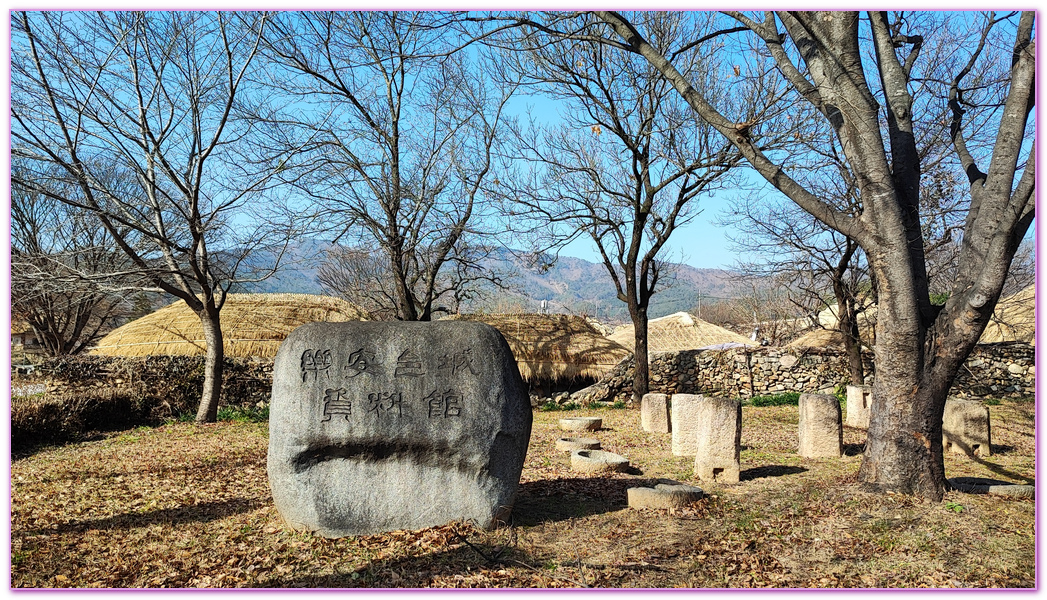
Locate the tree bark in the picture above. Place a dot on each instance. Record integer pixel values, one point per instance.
(213, 366)
(641, 374)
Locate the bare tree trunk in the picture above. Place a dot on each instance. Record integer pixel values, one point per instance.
(904, 448)
(641, 374)
(213, 366)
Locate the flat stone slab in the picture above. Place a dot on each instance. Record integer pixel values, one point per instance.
(670, 494)
(573, 443)
(581, 423)
(379, 426)
(979, 485)
(597, 461)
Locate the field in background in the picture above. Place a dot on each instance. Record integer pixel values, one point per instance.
(185, 505)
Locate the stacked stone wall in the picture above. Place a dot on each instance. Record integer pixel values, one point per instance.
(176, 381)
(993, 370)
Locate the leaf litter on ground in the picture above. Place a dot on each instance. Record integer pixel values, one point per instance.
(189, 506)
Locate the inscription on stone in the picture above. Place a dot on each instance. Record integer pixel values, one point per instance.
(315, 362)
(375, 426)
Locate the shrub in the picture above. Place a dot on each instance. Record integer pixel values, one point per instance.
(244, 414)
(783, 399)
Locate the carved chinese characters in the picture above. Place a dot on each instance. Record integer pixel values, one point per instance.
(383, 426)
(445, 403)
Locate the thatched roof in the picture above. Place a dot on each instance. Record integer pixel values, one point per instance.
(554, 347)
(818, 338)
(679, 331)
(252, 325)
(1014, 319)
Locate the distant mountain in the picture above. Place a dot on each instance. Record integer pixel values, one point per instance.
(570, 285)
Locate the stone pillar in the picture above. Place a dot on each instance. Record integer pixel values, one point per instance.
(654, 413)
(821, 430)
(684, 423)
(965, 427)
(718, 440)
(859, 399)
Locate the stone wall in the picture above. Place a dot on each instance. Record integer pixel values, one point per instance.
(174, 380)
(996, 370)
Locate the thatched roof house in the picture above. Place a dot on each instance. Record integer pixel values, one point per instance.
(252, 325)
(680, 331)
(1014, 319)
(554, 347)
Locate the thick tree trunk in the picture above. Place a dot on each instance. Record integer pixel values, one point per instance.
(903, 451)
(641, 374)
(213, 367)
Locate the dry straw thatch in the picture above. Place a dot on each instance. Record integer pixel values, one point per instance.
(252, 325)
(1014, 319)
(554, 347)
(679, 331)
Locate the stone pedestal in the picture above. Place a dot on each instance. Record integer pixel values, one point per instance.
(684, 424)
(821, 429)
(965, 427)
(654, 413)
(859, 401)
(718, 440)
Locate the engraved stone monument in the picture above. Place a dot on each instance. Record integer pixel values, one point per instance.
(718, 440)
(820, 430)
(965, 427)
(654, 413)
(381, 426)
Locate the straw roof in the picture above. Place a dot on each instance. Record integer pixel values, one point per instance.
(1014, 319)
(679, 331)
(252, 325)
(818, 338)
(553, 347)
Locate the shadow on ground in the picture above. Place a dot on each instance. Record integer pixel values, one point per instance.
(201, 513)
(571, 497)
(769, 471)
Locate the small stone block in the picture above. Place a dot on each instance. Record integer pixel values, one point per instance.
(859, 401)
(597, 461)
(654, 413)
(965, 427)
(581, 423)
(664, 495)
(572, 443)
(685, 423)
(820, 430)
(718, 440)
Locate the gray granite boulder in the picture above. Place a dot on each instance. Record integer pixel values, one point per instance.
(382, 426)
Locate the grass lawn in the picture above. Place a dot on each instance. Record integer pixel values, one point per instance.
(187, 506)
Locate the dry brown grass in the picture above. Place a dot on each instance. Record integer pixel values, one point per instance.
(252, 325)
(553, 347)
(679, 331)
(185, 505)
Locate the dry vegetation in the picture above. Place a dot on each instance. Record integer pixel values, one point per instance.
(185, 505)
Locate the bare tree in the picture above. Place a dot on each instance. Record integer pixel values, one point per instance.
(822, 266)
(159, 95)
(625, 164)
(404, 131)
(869, 105)
(69, 281)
